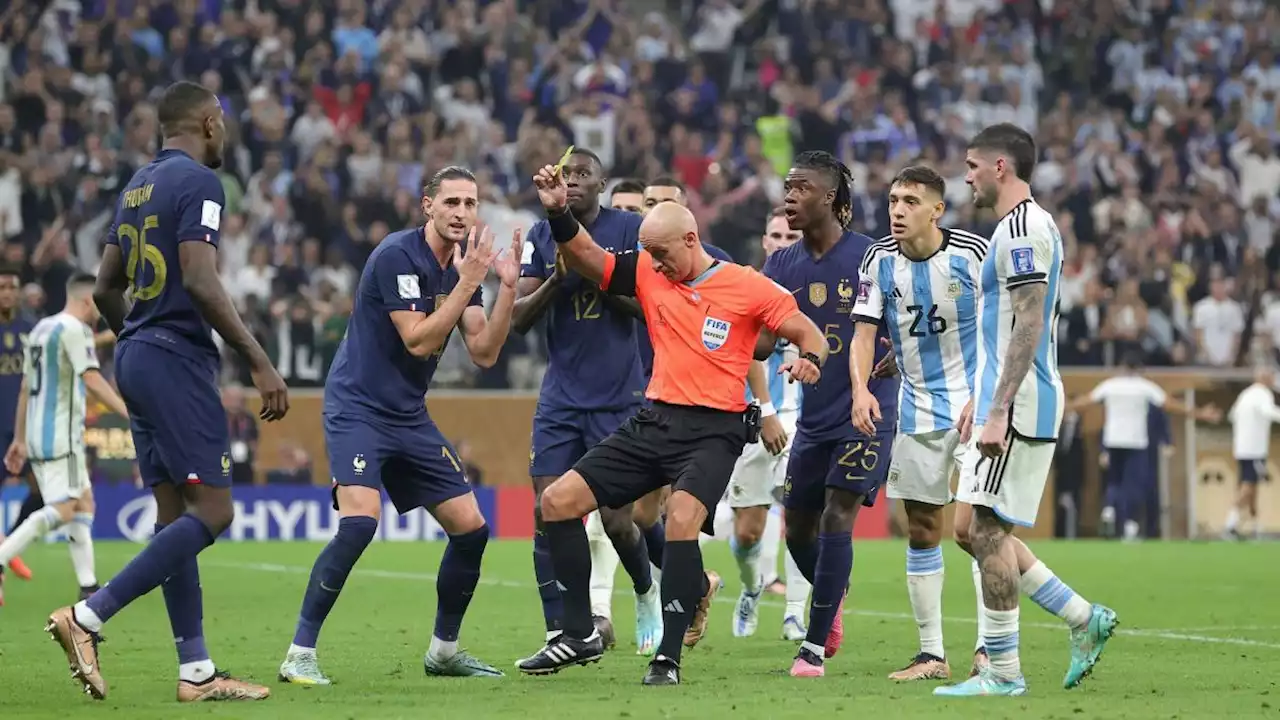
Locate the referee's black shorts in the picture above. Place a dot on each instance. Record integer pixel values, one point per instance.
(689, 448)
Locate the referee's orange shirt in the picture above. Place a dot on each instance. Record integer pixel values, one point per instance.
(703, 331)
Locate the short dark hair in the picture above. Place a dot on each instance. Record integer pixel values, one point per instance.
(629, 185)
(921, 175)
(11, 271)
(180, 105)
(588, 153)
(666, 181)
(1010, 140)
(776, 213)
(838, 175)
(82, 279)
(450, 172)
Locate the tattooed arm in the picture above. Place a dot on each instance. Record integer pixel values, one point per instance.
(1028, 325)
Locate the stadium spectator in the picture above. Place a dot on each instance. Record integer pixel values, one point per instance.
(1158, 156)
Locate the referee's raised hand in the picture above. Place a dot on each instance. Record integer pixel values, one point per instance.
(552, 191)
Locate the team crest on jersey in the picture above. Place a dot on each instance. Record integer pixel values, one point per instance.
(1024, 260)
(817, 294)
(844, 290)
(954, 290)
(714, 333)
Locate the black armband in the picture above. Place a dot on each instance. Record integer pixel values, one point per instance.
(564, 227)
(811, 358)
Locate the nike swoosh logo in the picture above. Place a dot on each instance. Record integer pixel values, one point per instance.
(551, 266)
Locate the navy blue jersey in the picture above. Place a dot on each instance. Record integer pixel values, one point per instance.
(171, 200)
(373, 375)
(593, 362)
(642, 338)
(12, 336)
(826, 288)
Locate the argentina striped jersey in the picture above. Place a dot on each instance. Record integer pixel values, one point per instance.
(1026, 248)
(58, 353)
(784, 395)
(930, 309)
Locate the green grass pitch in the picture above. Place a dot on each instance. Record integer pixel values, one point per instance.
(1200, 638)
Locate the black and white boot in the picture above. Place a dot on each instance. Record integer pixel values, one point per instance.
(662, 671)
(562, 652)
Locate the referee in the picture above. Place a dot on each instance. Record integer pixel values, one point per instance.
(703, 318)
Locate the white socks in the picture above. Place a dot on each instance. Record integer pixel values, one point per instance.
(80, 540)
(197, 672)
(604, 566)
(40, 523)
(441, 650)
(797, 590)
(924, 587)
(770, 544)
(87, 618)
(1046, 590)
(749, 572)
(1001, 639)
(982, 615)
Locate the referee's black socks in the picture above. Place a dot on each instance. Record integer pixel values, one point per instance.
(683, 585)
(571, 555)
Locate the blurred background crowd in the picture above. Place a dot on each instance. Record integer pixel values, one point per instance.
(1157, 122)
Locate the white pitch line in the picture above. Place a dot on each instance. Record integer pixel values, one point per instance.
(1181, 635)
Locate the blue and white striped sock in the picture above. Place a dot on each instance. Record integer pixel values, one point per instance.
(1001, 640)
(1046, 590)
(924, 588)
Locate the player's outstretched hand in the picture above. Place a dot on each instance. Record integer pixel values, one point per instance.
(507, 264)
(888, 365)
(474, 264)
(801, 370)
(15, 457)
(552, 191)
(866, 412)
(1209, 413)
(272, 390)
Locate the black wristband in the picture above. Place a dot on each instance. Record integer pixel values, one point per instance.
(564, 227)
(811, 358)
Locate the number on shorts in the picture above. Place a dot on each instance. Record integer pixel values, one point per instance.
(862, 457)
(453, 459)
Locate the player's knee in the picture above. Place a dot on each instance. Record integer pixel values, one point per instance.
(840, 513)
(619, 525)
(924, 525)
(801, 528)
(963, 538)
(471, 544)
(66, 511)
(568, 498)
(645, 511)
(685, 515)
(748, 525)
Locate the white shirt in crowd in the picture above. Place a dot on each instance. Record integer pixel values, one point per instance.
(1251, 417)
(1220, 323)
(1127, 400)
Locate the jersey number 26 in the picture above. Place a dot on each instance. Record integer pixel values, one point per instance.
(140, 254)
(933, 324)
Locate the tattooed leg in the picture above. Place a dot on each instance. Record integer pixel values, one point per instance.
(997, 557)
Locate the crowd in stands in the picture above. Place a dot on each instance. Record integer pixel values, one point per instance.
(1157, 122)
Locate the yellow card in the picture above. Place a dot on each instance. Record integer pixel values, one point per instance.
(564, 159)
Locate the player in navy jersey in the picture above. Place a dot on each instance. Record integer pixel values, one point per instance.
(834, 469)
(592, 385)
(13, 332)
(416, 287)
(159, 290)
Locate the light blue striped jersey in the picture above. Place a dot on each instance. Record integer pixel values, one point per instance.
(1026, 248)
(784, 395)
(59, 352)
(930, 308)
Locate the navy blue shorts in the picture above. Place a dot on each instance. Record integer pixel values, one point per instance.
(857, 463)
(561, 436)
(1253, 471)
(416, 464)
(175, 413)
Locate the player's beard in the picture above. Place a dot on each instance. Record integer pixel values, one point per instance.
(985, 196)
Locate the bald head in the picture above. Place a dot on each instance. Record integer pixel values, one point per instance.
(1264, 375)
(669, 234)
